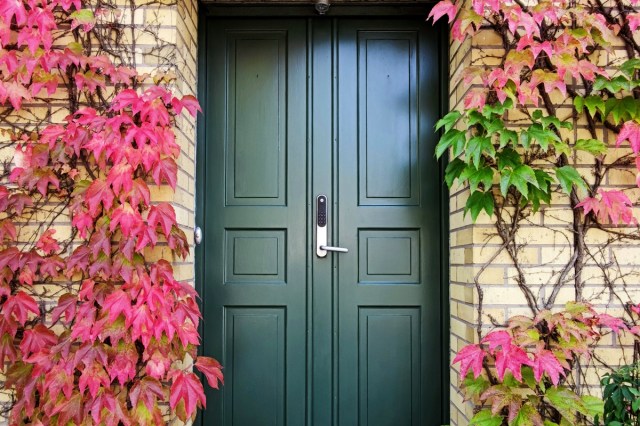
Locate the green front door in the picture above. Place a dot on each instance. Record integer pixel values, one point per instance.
(297, 108)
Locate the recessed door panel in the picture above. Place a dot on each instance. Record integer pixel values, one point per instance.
(255, 352)
(256, 134)
(387, 117)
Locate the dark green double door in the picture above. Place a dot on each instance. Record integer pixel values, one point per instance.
(296, 108)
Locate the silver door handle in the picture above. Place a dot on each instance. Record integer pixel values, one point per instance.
(321, 229)
(338, 249)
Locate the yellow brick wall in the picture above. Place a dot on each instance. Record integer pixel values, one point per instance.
(545, 237)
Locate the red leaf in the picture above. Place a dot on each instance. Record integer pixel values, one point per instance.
(162, 215)
(211, 369)
(443, 8)
(68, 410)
(123, 366)
(126, 218)
(147, 390)
(511, 358)
(19, 306)
(186, 388)
(47, 243)
(120, 177)
(36, 339)
(7, 349)
(470, 357)
(67, 305)
(545, 361)
(93, 376)
(118, 303)
(98, 192)
(166, 170)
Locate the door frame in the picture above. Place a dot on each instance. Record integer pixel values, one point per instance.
(378, 9)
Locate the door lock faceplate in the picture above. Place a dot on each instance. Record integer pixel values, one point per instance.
(321, 229)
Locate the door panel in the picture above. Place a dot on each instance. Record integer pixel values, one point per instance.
(255, 282)
(341, 107)
(389, 285)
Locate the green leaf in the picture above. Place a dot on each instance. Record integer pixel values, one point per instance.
(485, 418)
(568, 177)
(578, 103)
(453, 171)
(527, 416)
(549, 120)
(615, 85)
(565, 401)
(479, 201)
(495, 126)
(474, 387)
(508, 136)
(624, 109)
(528, 377)
(592, 146)
(537, 114)
(75, 47)
(630, 66)
(550, 423)
(519, 177)
(476, 118)
(508, 158)
(593, 406)
(448, 121)
(498, 108)
(452, 139)
(475, 177)
(542, 136)
(477, 146)
(83, 16)
(595, 104)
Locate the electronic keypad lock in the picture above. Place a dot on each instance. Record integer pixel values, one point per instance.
(321, 228)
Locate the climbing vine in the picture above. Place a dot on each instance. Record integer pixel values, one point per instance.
(553, 120)
(93, 329)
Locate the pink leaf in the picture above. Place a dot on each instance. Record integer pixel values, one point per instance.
(630, 132)
(186, 388)
(614, 323)
(443, 8)
(634, 21)
(612, 207)
(497, 339)
(511, 358)
(13, 8)
(211, 369)
(470, 357)
(188, 102)
(545, 361)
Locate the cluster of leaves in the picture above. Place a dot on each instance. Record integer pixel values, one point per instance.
(548, 45)
(522, 372)
(121, 338)
(494, 152)
(622, 396)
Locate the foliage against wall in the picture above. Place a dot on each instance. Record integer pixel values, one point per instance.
(549, 122)
(91, 332)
